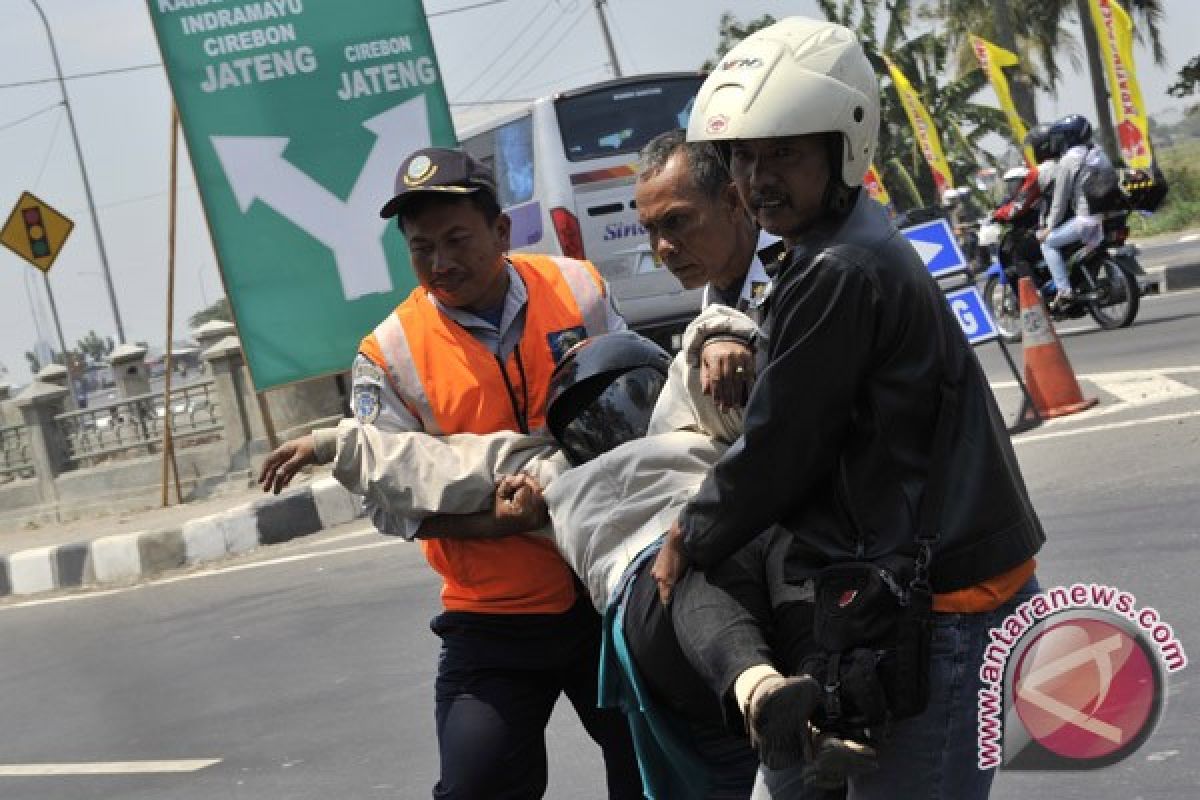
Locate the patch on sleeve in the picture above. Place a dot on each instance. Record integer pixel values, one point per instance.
(366, 370)
(366, 402)
(562, 341)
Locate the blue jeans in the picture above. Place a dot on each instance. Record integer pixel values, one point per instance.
(1067, 233)
(933, 756)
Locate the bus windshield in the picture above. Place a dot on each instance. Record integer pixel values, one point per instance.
(619, 119)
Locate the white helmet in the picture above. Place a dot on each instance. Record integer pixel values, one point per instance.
(796, 77)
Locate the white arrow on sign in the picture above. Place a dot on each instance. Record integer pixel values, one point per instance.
(928, 251)
(351, 229)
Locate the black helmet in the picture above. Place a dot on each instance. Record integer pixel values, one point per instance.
(1043, 142)
(1072, 130)
(603, 392)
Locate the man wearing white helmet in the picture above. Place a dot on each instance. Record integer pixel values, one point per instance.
(870, 437)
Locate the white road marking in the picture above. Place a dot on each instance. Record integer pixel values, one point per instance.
(1191, 237)
(1129, 423)
(1134, 389)
(1096, 377)
(207, 573)
(106, 768)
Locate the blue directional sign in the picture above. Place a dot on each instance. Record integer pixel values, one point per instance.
(935, 243)
(972, 314)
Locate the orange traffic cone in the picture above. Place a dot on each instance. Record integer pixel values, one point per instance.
(1048, 373)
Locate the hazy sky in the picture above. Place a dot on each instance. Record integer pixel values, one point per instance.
(124, 118)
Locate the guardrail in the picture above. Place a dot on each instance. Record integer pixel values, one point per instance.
(15, 458)
(135, 423)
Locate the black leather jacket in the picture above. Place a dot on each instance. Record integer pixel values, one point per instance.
(838, 429)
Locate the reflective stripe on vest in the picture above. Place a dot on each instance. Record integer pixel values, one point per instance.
(588, 290)
(388, 348)
(454, 384)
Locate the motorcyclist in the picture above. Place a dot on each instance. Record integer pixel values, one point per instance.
(1069, 220)
(1026, 208)
(1023, 204)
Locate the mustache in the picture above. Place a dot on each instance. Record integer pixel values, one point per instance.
(757, 200)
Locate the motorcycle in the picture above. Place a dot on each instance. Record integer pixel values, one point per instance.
(1104, 278)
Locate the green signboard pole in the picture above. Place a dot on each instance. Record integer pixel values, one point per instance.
(296, 114)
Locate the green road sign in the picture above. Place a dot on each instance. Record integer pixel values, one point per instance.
(296, 115)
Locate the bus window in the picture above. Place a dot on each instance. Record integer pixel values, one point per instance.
(508, 152)
(621, 119)
(514, 161)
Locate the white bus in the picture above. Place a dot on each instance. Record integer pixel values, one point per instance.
(565, 168)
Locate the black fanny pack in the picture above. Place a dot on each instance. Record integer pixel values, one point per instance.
(873, 632)
(873, 621)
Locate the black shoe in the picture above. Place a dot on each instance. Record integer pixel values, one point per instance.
(836, 759)
(1063, 300)
(778, 719)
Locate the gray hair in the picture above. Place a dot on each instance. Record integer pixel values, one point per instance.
(708, 172)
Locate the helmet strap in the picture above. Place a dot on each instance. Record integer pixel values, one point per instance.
(839, 198)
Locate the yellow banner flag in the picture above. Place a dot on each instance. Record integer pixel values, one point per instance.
(923, 127)
(1114, 29)
(875, 188)
(993, 59)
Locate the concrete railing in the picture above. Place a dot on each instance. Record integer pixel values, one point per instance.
(16, 459)
(133, 425)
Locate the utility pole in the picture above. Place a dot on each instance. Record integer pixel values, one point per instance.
(608, 42)
(87, 188)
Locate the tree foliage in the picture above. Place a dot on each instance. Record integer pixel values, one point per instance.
(924, 59)
(219, 310)
(94, 348)
(1189, 76)
(733, 31)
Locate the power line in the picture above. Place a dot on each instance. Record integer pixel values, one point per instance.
(112, 71)
(561, 39)
(49, 149)
(464, 8)
(561, 78)
(28, 117)
(506, 49)
(534, 55)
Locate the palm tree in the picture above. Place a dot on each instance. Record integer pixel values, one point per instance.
(1036, 31)
(923, 60)
(1032, 29)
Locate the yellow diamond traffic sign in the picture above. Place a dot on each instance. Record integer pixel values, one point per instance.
(35, 231)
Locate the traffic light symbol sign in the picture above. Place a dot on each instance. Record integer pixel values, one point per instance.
(38, 244)
(35, 231)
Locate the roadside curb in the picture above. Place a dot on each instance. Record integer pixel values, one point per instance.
(128, 557)
(1184, 276)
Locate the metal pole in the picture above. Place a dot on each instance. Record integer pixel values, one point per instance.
(168, 456)
(62, 342)
(87, 188)
(608, 42)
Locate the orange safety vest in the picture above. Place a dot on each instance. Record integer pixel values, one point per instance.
(454, 384)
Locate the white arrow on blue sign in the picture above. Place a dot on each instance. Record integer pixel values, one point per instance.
(972, 315)
(935, 243)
